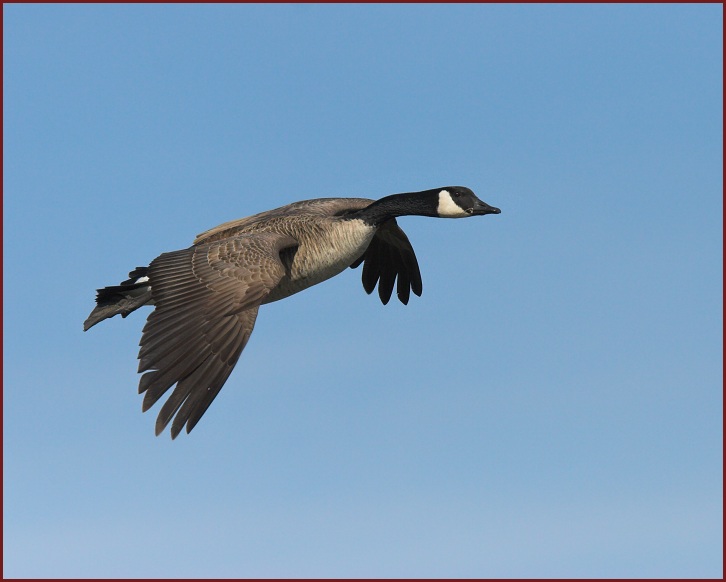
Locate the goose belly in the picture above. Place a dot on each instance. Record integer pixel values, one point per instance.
(322, 254)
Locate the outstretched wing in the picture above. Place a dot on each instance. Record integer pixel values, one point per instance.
(206, 299)
(390, 256)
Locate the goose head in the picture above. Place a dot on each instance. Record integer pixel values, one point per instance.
(448, 202)
(461, 202)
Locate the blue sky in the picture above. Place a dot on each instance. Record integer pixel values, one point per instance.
(550, 407)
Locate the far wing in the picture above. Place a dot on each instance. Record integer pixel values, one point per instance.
(206, 299)
(390, 256)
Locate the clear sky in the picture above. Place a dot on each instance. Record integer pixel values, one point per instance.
(550, 407)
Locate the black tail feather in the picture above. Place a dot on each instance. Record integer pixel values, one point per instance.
(120, 299)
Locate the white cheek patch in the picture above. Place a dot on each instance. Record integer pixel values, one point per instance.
(447, 208)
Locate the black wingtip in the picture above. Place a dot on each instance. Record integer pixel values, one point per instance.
(160, 426)
(175, 432)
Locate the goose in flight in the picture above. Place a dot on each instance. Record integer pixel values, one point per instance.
(206, 297)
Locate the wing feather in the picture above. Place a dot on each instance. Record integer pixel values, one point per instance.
(388, 260)
(206, 300)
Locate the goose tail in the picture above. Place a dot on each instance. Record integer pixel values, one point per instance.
(121, 299)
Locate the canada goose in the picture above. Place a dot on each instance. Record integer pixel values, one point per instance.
(206, 297)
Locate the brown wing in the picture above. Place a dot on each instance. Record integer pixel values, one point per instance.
(390, 256)
(206, 299)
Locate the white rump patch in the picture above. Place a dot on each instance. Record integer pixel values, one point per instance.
(447, 208)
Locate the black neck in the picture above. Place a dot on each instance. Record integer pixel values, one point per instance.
(407, 204)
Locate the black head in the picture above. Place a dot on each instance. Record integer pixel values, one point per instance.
(461, 202)
(448, 202)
